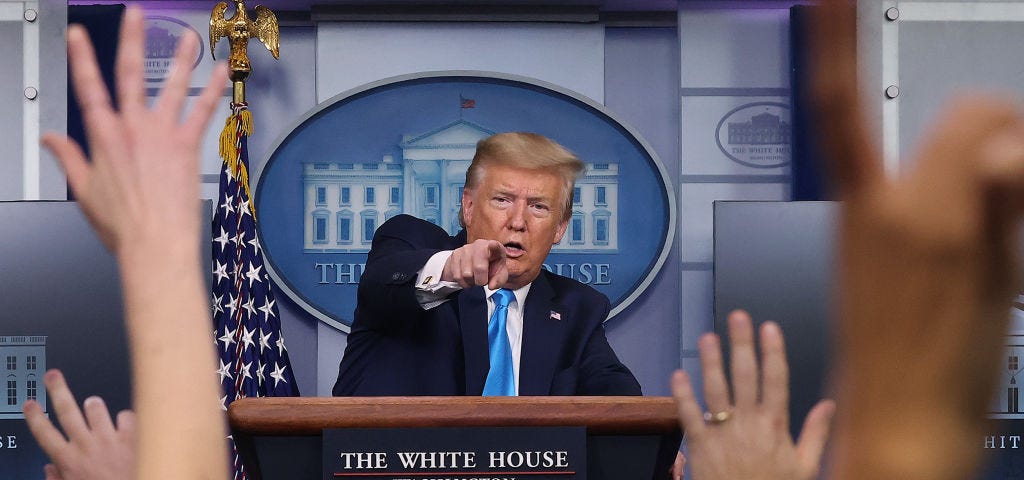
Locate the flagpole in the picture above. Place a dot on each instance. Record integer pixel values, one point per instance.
(253, 359)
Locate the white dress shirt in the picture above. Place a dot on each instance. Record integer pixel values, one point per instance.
(431, 291)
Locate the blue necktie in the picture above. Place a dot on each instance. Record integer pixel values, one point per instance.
(501, 378)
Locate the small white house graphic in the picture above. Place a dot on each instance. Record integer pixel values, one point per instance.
(346, 199)
(22, 365)
(1009, 401)
(761, 129)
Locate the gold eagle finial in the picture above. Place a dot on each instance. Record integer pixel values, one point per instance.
(239, 29)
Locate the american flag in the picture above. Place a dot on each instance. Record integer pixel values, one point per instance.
(253, 358)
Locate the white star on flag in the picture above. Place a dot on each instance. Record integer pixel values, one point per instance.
(247, 337)
(249, 307)
(267, 308)
(278, 374)
(224, 371)
(222, 239)
(264, 340)
(228, 338)
(253, 274)
(227, 206)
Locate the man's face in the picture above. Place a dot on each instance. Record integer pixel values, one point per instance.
(520, 208)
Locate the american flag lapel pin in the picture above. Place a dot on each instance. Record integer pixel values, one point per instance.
(555, 315)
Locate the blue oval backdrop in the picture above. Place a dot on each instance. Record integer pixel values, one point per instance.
(402, 145)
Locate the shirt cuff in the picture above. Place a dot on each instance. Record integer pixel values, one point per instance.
(431, 291)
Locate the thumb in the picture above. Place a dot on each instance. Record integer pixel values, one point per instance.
(814, 435)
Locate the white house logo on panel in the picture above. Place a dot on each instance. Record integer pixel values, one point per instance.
(162, 36)
(757, 135)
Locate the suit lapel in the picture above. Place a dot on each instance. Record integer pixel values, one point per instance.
(473, 322)
(542, 338)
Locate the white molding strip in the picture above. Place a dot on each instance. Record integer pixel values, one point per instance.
(12, 11)
(31, 112)
(890, 106)
(961, 11)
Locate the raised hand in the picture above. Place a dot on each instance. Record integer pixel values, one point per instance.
(141, 193)
(95, 447)
(747, 436)
(927, 272)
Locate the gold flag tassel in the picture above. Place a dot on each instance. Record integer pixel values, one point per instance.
(237, 124)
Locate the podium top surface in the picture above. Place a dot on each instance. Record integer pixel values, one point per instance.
(310, 415)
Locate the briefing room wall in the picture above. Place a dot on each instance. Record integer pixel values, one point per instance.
(641, 84)
(732, 61)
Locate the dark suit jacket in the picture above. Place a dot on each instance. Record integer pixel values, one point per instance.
(398, 348)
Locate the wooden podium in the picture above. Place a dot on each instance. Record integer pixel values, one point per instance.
(628, 438)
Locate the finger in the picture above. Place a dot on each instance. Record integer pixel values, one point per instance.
(716, 391)
(176, 86)
(814, 436)
(79, 172)
(498, 276)
(452, 271)
(495, 250)
(775, 371)
(690, 416)
(744, 359)
(90, 90)
(678, 465)
(1002, 171)
(206, 104)
(51, 472)
(948, 162)
(130, 54)
(463, 266)
(65, 406)
(126, 425)
(497, 271)
(1002, 160)
(98, 416)
(46, 434)
(853, 161)
(481, 265)
(72, 160)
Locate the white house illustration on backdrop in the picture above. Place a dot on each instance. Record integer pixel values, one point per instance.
(1008, 403)
(346, 199)
(22, 364)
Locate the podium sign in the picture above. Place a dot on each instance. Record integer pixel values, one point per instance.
(457, 453)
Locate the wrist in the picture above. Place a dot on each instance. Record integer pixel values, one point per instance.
(147, 268)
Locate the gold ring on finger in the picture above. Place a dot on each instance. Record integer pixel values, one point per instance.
(715, 418)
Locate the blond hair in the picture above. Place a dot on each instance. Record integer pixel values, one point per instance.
(526, 150)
